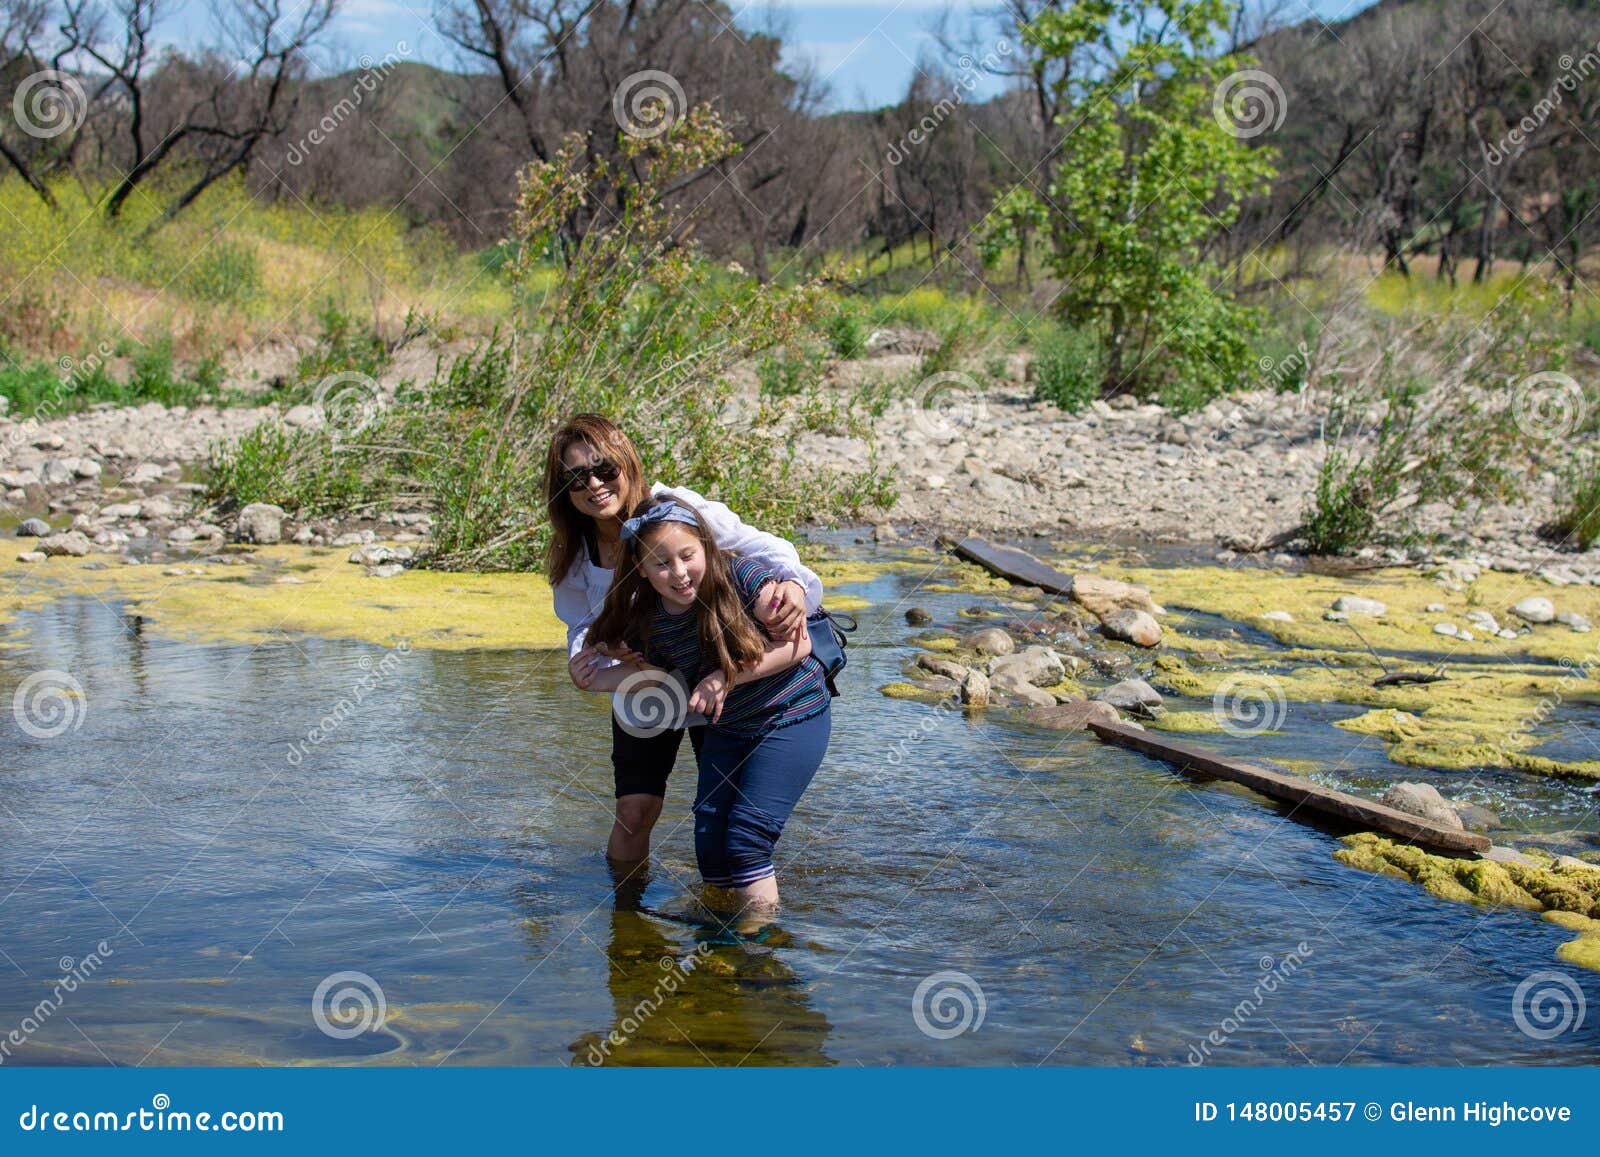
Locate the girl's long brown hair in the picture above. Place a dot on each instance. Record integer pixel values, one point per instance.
(571, 529)
(728, 635)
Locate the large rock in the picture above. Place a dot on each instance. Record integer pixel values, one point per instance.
(1535, 609)
(1037, 665)
(1132, 626)
(1104, 596)
(1014, 686)
(73, 542)
(1356, 605)
(1423, 800)
(1129, 695)
(991, 641)
(121, 510)
(1073, 716)
(33, 528)
(939, 665)
(261, 523)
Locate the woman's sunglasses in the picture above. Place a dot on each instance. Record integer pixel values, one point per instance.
(573, 477)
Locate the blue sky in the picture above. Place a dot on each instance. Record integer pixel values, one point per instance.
(865, 52)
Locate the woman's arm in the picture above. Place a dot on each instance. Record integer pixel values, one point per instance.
(612, 677)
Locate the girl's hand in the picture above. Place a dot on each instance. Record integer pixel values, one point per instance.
(708, 695)
(781, 609)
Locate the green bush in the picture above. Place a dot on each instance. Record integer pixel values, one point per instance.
(294, 469)
(788, 372)
(341, 346)
(847, 331)
(1578, 522)
(1068, 367)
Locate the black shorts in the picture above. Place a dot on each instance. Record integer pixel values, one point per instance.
(641, 766)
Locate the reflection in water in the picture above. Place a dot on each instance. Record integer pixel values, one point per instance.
(741, 1004)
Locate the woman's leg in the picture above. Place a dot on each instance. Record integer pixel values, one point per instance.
(640, 766)
(748, 789)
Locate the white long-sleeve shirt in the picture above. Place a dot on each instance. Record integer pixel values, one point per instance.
(580, 595)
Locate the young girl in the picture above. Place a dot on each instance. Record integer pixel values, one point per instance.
(688, 609)
(593, 481)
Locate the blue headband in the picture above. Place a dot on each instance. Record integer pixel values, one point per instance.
(668, 511)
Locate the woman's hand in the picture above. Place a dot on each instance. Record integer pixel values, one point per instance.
(781, 609)
(707, 697)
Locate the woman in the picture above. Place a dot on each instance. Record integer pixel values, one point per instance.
(593, 482)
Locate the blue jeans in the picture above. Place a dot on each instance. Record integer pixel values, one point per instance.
(749, 785)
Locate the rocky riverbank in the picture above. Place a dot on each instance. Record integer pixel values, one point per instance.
(970, 458)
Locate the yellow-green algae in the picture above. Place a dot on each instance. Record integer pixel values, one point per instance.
(1196, 721)
(317, 591)
(330, 598)
(1567, 895)
(1481, 715)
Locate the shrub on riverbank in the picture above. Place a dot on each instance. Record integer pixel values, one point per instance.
(635, 326)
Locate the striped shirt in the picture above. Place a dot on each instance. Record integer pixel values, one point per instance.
(769, 702)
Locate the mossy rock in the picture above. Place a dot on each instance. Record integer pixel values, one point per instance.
(1567, 895)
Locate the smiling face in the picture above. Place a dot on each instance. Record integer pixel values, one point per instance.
(674, 564)
(594, 497)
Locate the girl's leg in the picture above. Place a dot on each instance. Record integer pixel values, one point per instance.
(640, 766)
(775, 771)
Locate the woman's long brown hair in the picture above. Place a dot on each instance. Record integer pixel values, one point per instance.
(571, 529)
(728, 635)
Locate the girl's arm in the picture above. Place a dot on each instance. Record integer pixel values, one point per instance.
(733, 534)
(781, 654)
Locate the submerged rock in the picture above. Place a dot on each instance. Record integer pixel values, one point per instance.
(975, 689)
(1073, 716)
(1104, 596)
(1129, 695)
(918, 617)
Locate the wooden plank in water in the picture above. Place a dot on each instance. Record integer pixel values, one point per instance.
(1293, 789)
(1011, 563)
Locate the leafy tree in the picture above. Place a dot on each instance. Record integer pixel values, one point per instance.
(1152, 169)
